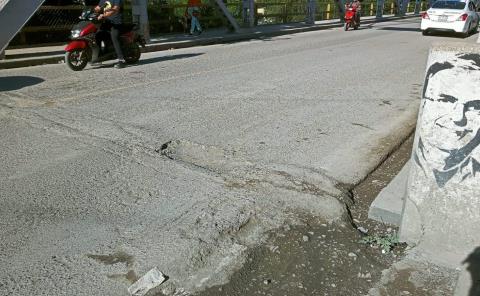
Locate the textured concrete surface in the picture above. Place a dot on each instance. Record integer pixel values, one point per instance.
(184, 161)
(442, 207)
(414, 276)
(388, 205)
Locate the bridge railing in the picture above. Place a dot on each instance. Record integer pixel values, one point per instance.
(53, 23)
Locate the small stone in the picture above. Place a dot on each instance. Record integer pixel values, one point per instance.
(305, 238)
(274, 249)
(405, 293)
(352, 255)
(368, 275)
(311, 233)
(389, 229)
(149, 281)
(333, 285)
(266, 282)
(362, 230)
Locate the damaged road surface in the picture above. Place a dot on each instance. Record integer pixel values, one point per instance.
(188, 160)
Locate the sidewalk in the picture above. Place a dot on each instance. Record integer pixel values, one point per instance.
(32, 56)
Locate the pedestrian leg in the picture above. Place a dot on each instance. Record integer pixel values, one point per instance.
(115, 34)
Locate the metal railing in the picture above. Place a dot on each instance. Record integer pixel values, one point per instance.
(53, 23)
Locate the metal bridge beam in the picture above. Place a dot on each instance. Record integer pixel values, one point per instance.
(13, 16)
(228, 15)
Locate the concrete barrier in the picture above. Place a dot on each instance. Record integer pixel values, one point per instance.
(441, 213)
(387, 207)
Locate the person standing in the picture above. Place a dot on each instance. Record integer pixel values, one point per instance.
(193, 10)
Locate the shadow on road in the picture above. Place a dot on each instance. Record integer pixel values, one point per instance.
(270, 38)
(17, 82)
(368, 27)
(400, 29)
(473, 261)
(449, 34)
(149, 61)
(166, 58)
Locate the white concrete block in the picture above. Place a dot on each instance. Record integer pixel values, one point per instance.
(387, 207)
(442, 209)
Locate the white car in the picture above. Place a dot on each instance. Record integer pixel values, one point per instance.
(451, 16)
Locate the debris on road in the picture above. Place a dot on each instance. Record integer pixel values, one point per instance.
(150, 280)
(362, 230)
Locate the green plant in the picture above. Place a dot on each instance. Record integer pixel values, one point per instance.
(386, 242)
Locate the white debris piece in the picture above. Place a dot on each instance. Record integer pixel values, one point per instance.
(150, 280)
(362, 230)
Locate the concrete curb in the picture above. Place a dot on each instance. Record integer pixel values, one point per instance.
(48, 58)
(387, 206)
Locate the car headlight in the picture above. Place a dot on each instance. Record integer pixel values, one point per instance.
(75, 33)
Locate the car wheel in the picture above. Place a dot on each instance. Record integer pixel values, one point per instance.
(425, 33)
(475, 29)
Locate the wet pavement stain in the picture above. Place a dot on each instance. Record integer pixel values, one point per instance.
(115, 258)
(130, 276)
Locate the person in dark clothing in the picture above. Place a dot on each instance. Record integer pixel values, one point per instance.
(112, 12)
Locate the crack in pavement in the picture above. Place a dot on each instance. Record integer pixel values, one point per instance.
(241, 173)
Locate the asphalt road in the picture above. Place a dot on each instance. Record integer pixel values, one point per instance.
(185, 160)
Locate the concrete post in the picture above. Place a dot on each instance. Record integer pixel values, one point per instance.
(311, 10)
(380, 4)
(246, 12)
(418, 5)
(251, 14)
(404, 8)
(441, 212)
(140, 16)
(341, 9)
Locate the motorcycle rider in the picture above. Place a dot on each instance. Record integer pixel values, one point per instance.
(358, 7)
(112, 12)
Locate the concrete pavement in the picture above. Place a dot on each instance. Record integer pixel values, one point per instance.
(185, 161)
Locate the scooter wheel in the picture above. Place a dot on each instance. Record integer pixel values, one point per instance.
(76, 59)
(345, 27)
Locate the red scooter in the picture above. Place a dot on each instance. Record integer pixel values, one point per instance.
(91, 44)
(350, 19)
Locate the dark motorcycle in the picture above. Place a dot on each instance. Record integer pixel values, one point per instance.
(91, 43)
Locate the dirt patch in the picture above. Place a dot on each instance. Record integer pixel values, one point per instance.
(322, 259)
(366, 192)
